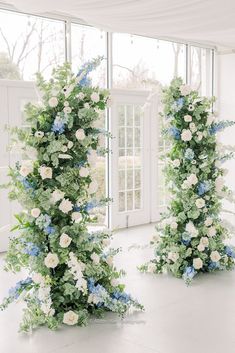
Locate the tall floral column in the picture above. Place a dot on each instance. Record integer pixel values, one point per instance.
(70, 270)
(190, 237)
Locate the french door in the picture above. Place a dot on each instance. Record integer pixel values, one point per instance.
(133, 167)
(13, 97)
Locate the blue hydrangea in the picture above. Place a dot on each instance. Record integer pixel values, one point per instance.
(31, 249)
(49, 230)
(189, 154)
(58, 125)
(174, 132)
(230, 251)
(203, 187)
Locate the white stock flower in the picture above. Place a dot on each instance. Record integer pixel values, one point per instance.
(65, 240)
(26, 168)
(45, 172)
(185, 90)
(35, 212)
(51, 260)
(197, 263)
(39, 134)
(186, 135)
(173, 256)
(76, 216)
(57, 195)
(93, 187)
(200, 203)
(95, 97)
(83, 172)
(211, 232)
(176, 163)
(80, 134)
(66, 206)
(53, 102)
(187, 118)
(95, 258)
(215, 256)
(208, 221)
(190, 228)
(70, 318)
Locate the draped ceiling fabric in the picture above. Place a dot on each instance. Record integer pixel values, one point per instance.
(202, 21)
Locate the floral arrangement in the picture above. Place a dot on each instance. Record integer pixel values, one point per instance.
(70, 270)
(191, 235)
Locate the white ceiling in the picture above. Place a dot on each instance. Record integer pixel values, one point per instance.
(203, 21)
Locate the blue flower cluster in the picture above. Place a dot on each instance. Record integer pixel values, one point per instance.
(174, 132)
(186, 238)
(58, 125)
(178, 104)
(14, 292)
(230, 251)
(189, 154)
(122, 296)
(214, 266)
(31, 249)
(221, 125)
(203, 187)
(25, 182)
(189, 273)
(86, 69)
(44, 223)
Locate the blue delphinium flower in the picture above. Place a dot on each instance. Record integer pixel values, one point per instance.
(174, 132)
(58, 125)
(14, 292)
(31, 249)
(189, 154)
(25, 182)
(221, 125)
(124, 297)
(203, 187)
(189, 273)
(230, 251)
(214, 265)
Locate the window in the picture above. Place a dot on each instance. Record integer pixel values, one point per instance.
(29, 44)
(141, 62)
(88, 43)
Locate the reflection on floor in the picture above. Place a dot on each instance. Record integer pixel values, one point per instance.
(177, 319)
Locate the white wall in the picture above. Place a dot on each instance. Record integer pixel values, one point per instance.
(226, 109)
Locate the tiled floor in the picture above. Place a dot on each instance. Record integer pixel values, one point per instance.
(177, 319)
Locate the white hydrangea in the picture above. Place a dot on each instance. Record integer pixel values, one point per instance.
(186, 135)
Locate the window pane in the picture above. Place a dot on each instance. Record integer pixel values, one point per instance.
(141, 62)
(89, 43)
(29, 44)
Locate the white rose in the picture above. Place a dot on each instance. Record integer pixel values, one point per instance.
(215, 256)
(201, 247)
(45, 172)
(176, 163)
(151, 267)
(93, 187)
(95, 97)
(190, 228)
(109, 260)
(114, 282)
(76, 216)
(57, 195)
(51, 260)
(35, 212)
(70, 144)
(53, 102)
(211, 232)
(26, 168)
(39, 134)
(38, 278)
(192, 127)
(80, 134)
(173, 225)
(185, 90)
(208, 221)
(187, 118)
(66, 206)
(95, 258)
(83, 172)
(197, 263)
(200, 203)
(204, 241)
(70, 318)
(192, 179)
(65, 240)
(87, 106)
(81, 96)
(186, 135)
(173, 256)
(219, 184)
